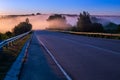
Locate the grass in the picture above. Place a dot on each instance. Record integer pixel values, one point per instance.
(9, 55)
(99, 35)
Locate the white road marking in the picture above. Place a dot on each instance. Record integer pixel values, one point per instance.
(92, 46)
(60, 67)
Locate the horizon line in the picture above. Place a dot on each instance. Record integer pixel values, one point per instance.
(31, 14)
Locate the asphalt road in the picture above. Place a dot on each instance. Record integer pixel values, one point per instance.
(36, 66)
(84, 58)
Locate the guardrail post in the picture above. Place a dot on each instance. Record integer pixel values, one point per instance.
(9, 42)
(6, 46)
(1, 49)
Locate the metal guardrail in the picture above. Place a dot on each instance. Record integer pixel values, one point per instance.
(5, 42)
(14, 71)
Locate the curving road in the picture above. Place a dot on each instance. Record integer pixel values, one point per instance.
(84, 58)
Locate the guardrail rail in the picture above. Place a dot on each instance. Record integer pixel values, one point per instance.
(10, 40)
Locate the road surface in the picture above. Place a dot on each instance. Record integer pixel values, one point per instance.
(36, 66)
(83, 58)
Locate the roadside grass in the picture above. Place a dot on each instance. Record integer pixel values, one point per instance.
(91, 34)
(9, 54)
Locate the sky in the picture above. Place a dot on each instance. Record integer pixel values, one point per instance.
(95, 7)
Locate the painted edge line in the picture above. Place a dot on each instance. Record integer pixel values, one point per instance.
(60, 67)
(92, 46)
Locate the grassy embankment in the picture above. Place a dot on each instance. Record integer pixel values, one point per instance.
(9, 55)
(92, 34)
(99, 35)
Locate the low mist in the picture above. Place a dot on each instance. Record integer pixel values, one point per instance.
(59, 24)
(38, 22)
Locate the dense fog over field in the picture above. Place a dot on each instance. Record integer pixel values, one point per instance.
(39, 21)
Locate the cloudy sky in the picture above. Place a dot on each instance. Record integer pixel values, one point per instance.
(104, 7)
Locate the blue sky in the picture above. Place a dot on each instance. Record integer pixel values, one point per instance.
(110, 7)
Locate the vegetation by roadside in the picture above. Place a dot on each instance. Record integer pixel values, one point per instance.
(57, 22)
(86, 27)
(21, 28)
(91, 34)
(87, 24)
(9, 54)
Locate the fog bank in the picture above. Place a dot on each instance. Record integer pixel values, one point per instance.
(39, 21)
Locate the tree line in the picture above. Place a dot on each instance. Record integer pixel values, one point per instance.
(84, 24)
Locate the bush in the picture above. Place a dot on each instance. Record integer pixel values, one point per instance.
(118, 29)
(22, 27)
(56, 16)
(9, 34)
(84, 23)
(111, 28)
(97, 27)
(3, 36)
(38, 13)
(57, 21)
(73, 28)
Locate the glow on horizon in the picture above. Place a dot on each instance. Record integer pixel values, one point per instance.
(104, 7)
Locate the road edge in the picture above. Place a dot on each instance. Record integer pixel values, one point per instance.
(14, 72)
(56, 62)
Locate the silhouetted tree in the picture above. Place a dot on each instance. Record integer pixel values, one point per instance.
(73, 28)
(118, 29)
(32, 14)
(27, 20)
(57, 21)
(38, 13)
(97, 27)
(22, 27)
(3, 36)
(56, 16)
(9, 34)
(111, 27)
(84, 22)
